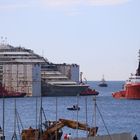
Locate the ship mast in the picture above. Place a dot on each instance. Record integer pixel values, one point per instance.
(81, 77)
(138, 70)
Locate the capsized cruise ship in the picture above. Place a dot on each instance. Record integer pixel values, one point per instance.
(55, 83)
(22, 70)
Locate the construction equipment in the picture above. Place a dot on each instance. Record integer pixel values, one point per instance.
(53, 130)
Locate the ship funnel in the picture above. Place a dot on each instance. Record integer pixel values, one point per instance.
(138, 70)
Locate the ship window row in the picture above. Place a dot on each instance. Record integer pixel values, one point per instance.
(20, 56)
(17, 49)
(52, 79)
(132, 78)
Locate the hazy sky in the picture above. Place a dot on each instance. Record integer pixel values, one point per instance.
(102, 36)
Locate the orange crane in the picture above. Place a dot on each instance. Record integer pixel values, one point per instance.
(53, 131)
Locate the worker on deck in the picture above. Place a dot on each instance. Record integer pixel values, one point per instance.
(65, 136)
(135, 137)
(69, 136)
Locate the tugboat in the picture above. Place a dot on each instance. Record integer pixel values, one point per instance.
(132, 86)
(89, 91)
(103, 83)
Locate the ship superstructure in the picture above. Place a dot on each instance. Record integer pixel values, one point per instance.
(22, 70)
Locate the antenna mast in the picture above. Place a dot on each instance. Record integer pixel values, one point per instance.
(81, 74)
(3, 40)
(139, 55)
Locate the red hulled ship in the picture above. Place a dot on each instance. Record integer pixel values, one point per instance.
(89, 91)
(132, 86)
(10, 94)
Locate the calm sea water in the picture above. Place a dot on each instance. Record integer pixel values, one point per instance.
(118, 115)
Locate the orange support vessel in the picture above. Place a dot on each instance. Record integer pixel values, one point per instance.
(131, 88)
